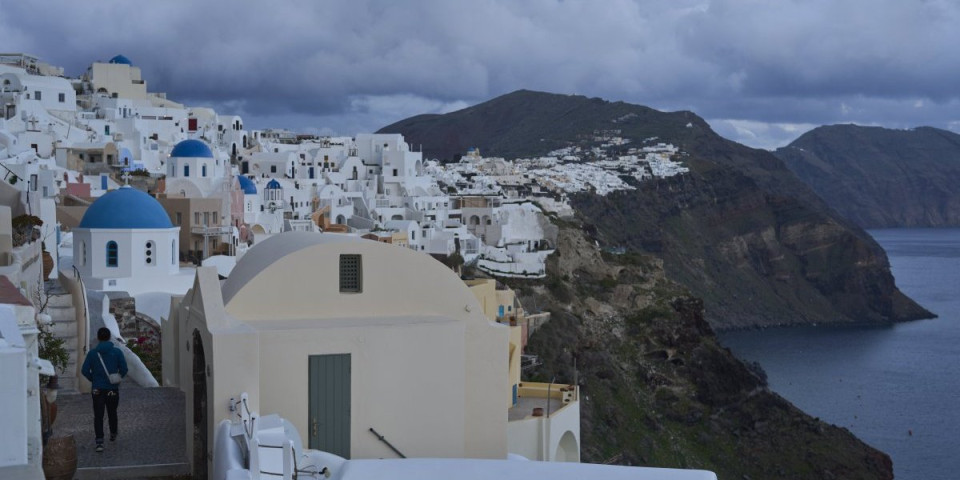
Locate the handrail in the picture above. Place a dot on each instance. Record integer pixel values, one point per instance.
(86, 308)
(384, 440)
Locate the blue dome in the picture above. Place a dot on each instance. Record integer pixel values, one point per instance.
(121, 60)
(273, 185)
(191, 148)
(125, 208)
(247, 185)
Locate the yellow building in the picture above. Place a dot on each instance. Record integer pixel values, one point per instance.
(544, 419)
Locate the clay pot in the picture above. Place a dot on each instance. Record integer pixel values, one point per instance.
(47, 264)
(60, 458)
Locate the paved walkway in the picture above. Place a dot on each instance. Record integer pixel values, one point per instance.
(151, 435)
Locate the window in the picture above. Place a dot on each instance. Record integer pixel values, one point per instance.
(186, 170)
(216, 219)
(203, 170)
(83, 253)
(112, 254)
(394, 172)
(148, 252)
(173, 252)
(206, 218)
(106, 128)
(179, 218)
(36, 95)
(62, 98)
(273, 169)
(351, 274)
(196, 218)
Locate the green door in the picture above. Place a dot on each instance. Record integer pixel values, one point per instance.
(329, 414)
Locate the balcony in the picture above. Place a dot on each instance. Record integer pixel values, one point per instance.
(544, 424)
(535, 399)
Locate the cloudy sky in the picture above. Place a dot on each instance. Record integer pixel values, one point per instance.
(760, 71)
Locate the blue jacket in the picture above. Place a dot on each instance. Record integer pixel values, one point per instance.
(112, 357)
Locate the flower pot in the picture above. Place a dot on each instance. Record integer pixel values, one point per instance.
(60, 458)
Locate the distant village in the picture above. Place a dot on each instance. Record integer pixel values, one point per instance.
(122, 208)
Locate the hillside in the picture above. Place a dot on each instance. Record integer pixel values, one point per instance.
(879, 177)
(658, 389)
(739, 231)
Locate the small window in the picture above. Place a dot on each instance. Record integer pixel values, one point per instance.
(351, 274)
(62, 97)
(203, 170)
(173, 252)
(179, 219)
(196, 218)
(186, 170)
(273, 169)
(113, 258)
(83, 253)
(36, 95)
(148, 252)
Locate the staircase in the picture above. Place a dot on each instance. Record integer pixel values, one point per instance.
(64, 317)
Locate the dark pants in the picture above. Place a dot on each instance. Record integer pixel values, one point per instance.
(109, 399)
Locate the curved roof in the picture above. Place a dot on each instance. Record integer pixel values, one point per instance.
(299, 272)
(125, 208)
(273, 184)
(191, 148)
(247, 185)
(121, 60)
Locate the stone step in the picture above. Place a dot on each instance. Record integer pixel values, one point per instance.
(64, 330)
(60, 301)
(68, 382)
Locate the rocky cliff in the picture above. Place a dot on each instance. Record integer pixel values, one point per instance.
(739, 231)
(879, 177)
(657, 387)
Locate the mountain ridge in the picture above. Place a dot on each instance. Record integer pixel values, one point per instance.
(740, 230)
(879, 177)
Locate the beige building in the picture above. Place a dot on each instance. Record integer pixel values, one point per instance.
(342, 336)
(194, 215)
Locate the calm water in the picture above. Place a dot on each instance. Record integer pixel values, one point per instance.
(883, 383)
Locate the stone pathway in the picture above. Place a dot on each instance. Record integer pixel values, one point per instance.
(151, 439)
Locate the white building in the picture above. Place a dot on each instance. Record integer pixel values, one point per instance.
(126, 242)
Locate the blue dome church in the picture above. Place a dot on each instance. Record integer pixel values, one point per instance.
(195, 170)
(126, 242)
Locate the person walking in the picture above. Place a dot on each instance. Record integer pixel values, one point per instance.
(104, 366)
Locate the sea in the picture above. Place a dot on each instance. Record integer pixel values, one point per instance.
(896, 387)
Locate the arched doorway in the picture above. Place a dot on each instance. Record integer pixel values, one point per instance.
(200, 427)
(567, 449)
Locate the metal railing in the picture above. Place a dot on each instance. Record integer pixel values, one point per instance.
(387, 442)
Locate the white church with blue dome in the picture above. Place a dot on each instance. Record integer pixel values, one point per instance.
(194, 171)
(126, 242)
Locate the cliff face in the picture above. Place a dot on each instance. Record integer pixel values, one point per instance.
(739, 231)
(754, 257)
(879, 177)
(657, 387)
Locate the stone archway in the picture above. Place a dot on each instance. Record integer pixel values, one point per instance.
(200, 421)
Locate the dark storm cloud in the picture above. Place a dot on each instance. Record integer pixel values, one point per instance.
(760, 71)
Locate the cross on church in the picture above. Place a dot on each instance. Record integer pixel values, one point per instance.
(126, 178)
